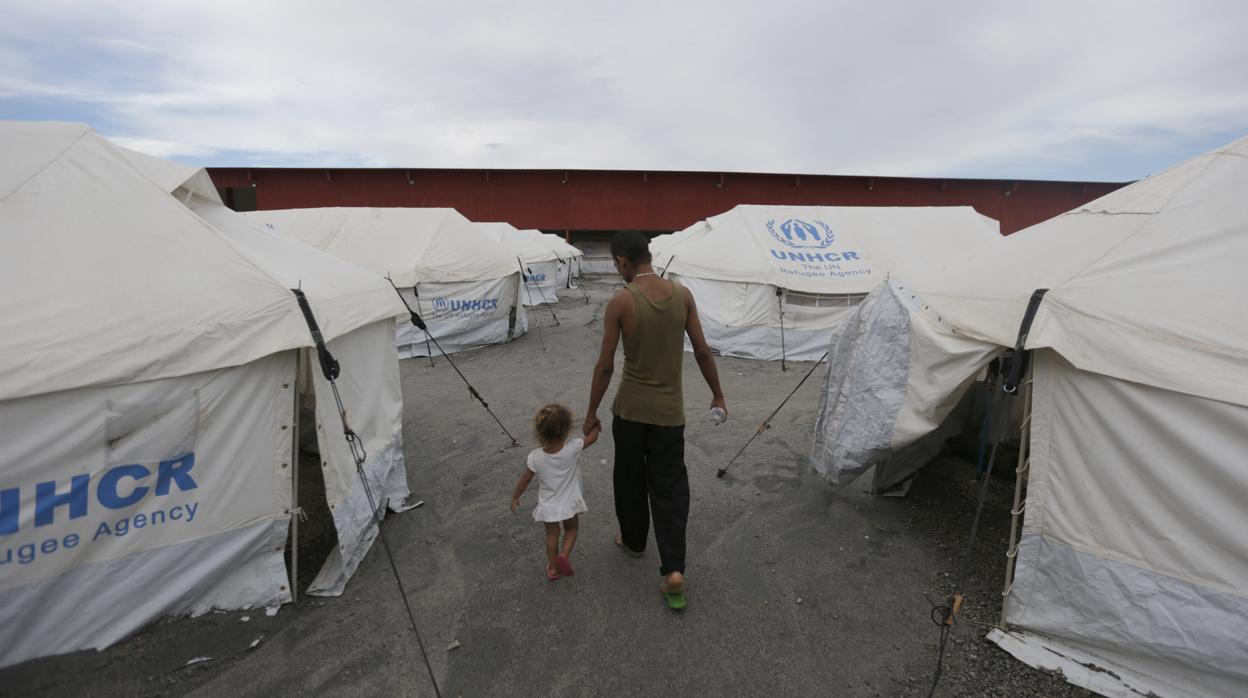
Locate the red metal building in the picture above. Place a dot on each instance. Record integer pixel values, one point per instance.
(594, 201)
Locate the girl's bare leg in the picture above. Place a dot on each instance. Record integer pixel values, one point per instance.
(552, 544)
(569, 534)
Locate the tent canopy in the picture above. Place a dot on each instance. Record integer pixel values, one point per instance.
(565, 250)
(412, 245)
(79, 218)
(1128, 559)
(819, 249)
(344, 296)
(1145, 284)
(528, 245)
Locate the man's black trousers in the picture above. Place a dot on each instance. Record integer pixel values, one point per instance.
(651, 481)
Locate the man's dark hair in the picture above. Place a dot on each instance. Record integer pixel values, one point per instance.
(632, 245)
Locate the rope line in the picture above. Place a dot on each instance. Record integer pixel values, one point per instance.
(1013, 369)
(524, 281)
(331, 369)
(767, 422)
(420, 324)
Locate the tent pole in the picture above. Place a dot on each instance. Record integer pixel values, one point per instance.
(783, 351)
(295, 508)
(1016, 512)
(549, 306)
(569, 266)
(524, 281)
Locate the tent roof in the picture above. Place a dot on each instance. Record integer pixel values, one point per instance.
(413, 245)
(108, 279)
(171, 175)
(525, 244)
(562, 247)
(1146, 283)
(344, 297)
(819, 249)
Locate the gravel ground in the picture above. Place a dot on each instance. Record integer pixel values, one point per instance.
(794, 587)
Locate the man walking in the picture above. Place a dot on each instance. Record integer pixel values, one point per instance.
(652, 315)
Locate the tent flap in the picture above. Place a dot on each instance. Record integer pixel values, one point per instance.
(863, 390)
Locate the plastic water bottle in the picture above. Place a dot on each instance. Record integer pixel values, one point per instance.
(718, 415)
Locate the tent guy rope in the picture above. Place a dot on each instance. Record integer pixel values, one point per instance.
(420, 323)
(767, 422)
(579, 287)
(1013, 370)
(524, 281)
(416, 291)
(526, 273)
(330, 368)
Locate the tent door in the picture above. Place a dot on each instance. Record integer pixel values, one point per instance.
(312, 532)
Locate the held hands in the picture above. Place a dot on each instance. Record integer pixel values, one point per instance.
(720, 403)
(591, 423)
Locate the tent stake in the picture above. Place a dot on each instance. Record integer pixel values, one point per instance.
(1013, 372)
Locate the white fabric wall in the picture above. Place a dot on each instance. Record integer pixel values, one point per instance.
(569, 272)
(370, 390)
(1133, 552)
(223, 550)
(895, 374)
(541, 284)
(741, 319)
(457, 318)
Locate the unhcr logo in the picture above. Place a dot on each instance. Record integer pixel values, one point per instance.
(464, 306)
(795, 232)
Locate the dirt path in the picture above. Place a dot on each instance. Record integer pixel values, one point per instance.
(794, 588)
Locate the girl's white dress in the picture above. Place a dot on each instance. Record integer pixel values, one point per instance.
(558, 475)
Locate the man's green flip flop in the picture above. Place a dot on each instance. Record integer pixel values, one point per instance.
(675, 599)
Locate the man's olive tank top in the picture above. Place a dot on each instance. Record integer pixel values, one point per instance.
(651, 391)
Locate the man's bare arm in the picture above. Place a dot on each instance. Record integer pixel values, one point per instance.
(702, 352)
(606, 359)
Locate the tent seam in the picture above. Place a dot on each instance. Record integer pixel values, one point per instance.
(46, 165)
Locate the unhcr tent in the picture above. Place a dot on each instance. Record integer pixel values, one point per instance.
(771, 282)
(534, 256)
(571, 261)
(147, 377)
(1131, 571)
(465, 287)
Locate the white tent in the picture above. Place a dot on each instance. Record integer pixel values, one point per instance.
(772, 282)
(571, 261)
(1132, 566)
(535, 256)
(465, 287)
(147, 396)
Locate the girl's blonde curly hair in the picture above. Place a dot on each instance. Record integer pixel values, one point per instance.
(552, 423)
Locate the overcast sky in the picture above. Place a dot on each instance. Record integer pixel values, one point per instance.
(1045, 90)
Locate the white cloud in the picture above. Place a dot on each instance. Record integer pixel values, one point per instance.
(162, 149)
(958, 88)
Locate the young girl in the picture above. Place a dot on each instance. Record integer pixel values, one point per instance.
(558, 474)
